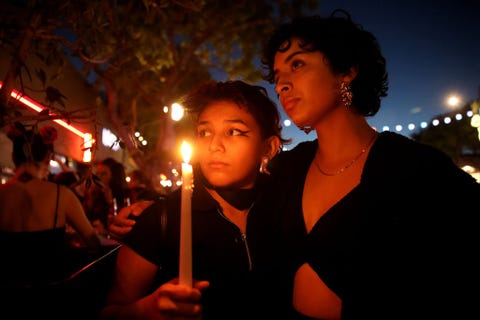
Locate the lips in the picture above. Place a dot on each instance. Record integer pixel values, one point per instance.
(289, 103)
(217, 164)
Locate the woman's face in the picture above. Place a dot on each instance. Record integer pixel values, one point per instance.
(104, 173)
(307, 88)
(229, 147)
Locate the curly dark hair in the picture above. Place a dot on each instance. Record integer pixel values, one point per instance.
(345, 45)
(254, 98)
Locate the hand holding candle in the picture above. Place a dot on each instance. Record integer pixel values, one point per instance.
(185, 265)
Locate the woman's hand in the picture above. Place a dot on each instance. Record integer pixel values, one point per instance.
(177, 301)
(170, 301)
(121, 224)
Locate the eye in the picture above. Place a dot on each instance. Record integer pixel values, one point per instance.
(203, 133)
(297, 64)
(237, 132)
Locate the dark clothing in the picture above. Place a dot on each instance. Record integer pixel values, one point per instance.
(242, 268)
(97, 206)
(400, 245)
(142, 193)
(33, 258)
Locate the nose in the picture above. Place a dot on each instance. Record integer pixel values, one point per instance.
(283, 86)
(216, 144)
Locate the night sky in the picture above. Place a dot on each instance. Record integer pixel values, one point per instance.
(432, 50)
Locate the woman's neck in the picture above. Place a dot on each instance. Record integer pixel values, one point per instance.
(26, 172)
(236, 215)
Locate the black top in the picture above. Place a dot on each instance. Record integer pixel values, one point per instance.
(243, 269)
(32, 258)
(400, 245)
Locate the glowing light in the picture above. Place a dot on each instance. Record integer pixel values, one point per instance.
(109, 139)
(453, 100)
(186, 151)
(87, 144)
(177, 112)
(32, 104)
(475, 121)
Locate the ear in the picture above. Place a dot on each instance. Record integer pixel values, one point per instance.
(272, 146)
(350, 75)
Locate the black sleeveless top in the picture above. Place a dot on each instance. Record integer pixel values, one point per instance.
(32, 258)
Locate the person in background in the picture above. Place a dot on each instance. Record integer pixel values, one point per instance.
(375, 225)
(66, 178)
(103, 199)
(234, 258)
(140, 187)
(34, 213)
(69, 179)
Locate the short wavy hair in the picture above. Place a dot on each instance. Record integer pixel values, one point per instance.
(345, 45)
(254, 98)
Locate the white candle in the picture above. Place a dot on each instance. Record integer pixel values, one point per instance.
(185, 266)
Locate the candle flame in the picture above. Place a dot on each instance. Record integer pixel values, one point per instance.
(186, 152)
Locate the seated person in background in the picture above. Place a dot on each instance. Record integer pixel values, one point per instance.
(66, 178)
(69, 179)
(237, 133)
(34, 213)
(140, 187)
(106, 195)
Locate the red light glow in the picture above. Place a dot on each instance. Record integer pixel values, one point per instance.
(32, 104)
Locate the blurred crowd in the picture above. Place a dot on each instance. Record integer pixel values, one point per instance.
(105, 188)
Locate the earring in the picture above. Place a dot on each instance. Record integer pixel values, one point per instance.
(305, 129)
(264, 165)
(346, 93)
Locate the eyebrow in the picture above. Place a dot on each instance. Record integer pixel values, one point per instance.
(289, 58)
(225, 121)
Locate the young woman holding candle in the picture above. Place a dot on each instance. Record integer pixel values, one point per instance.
(373, 225)
(233, 243)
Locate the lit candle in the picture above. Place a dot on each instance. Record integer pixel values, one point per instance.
(185, 266)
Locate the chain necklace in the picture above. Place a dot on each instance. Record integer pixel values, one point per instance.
(348, 165)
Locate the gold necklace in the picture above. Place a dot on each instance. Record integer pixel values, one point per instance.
(341, 170)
